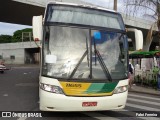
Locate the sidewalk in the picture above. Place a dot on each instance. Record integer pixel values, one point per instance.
(21, 65)
(144, 89)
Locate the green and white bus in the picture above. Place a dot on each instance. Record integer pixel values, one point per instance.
(84, 58)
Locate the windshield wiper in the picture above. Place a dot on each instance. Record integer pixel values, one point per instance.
(47, 36)
(100, 59)
(83, 56)
(87, 52)
(104, 67)
(75, 69)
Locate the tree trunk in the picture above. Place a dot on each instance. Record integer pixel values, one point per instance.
(158, 25)
(115, 5)
(149, 38)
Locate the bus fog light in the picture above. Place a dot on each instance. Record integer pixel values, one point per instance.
(121, 89)
(51, 88)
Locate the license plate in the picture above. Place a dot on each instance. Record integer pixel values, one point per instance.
(89, 104)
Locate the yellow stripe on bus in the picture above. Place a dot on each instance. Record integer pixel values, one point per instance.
(79, 89)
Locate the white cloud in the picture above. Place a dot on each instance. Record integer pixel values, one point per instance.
(104, 3)
(9, 29)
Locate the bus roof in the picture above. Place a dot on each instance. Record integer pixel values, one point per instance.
(91, 7)
(82, 5)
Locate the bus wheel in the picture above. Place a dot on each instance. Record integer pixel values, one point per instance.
(2, 72)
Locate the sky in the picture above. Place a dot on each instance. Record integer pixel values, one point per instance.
(9, 29)
(121, 7)
(107, 4)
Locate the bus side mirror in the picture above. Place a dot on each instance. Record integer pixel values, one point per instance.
(138, 38)
(37, 28)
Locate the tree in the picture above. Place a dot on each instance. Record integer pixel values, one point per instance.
(5, 38)
(149, 8)
(17, 35)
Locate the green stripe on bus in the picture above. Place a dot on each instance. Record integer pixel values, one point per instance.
(101, 87)
(109, 87)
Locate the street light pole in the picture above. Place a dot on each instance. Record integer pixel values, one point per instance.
(115, 5)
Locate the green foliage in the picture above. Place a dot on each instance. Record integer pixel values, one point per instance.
(153, 83)
(17, 36)
(131, 48)
(5, 38)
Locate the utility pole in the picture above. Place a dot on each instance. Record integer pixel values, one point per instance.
(115, 5)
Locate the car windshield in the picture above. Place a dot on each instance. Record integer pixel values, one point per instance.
(83, 53)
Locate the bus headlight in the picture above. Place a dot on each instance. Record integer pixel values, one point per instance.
(121, 89)
(51, 88)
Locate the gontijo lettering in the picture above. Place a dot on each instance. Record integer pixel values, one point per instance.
(73, 85)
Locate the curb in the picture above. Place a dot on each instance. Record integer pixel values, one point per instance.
(134, 91)
(22, 66)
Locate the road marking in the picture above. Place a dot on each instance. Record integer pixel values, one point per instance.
(5, 95)
(144, 118)
(23, 67)
(102, 116)
(142, 107)
(143, 101)
(22, 118)
(140, 96)
(27, 84)
(149, 118)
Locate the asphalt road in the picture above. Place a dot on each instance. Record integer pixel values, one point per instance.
(19, 89)
(19, 92)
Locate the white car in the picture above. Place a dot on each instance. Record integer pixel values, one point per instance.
(2, 68)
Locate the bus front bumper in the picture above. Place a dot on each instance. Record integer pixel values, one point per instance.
(58, 102)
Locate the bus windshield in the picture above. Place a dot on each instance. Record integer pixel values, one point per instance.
(83, 53)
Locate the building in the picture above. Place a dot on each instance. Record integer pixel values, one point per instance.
(20, 53)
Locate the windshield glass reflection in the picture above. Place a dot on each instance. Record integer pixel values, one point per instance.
(71, 52)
